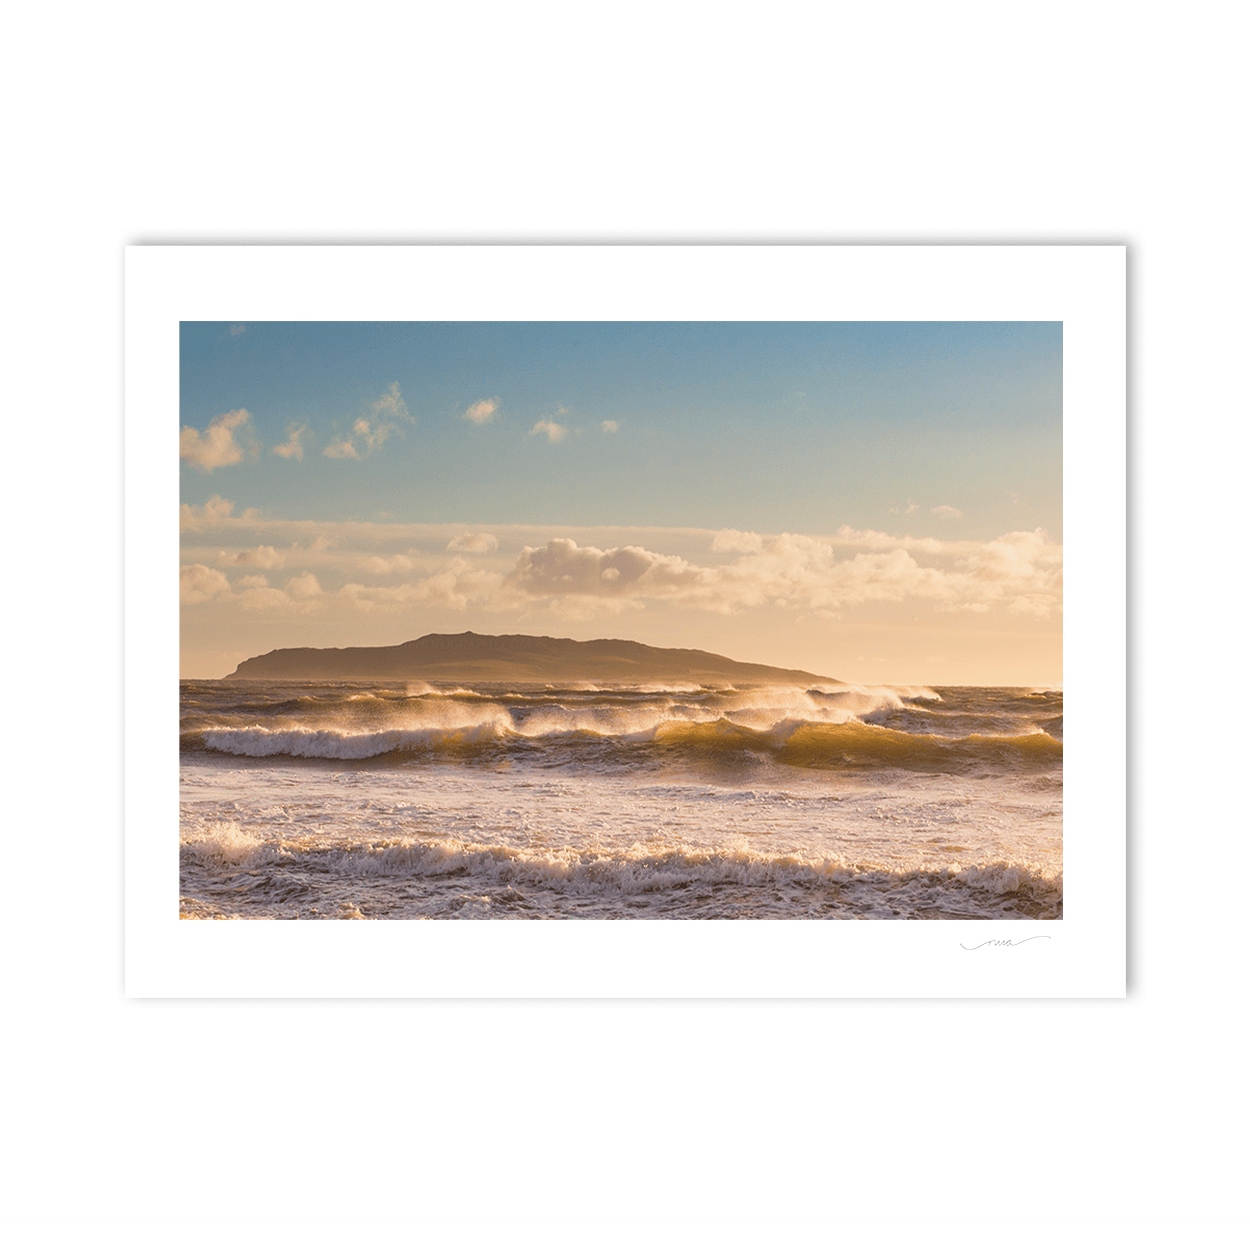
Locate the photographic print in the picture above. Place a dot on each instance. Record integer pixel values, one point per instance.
(750, 591)
(621, 620)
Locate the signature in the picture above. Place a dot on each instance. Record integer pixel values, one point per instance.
(1005, 942)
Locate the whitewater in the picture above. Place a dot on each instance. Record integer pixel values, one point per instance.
(368, 800)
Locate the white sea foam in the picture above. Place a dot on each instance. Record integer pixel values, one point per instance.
(366, 724)
(442, 725)
(337, 744)
(698, 803)
(225, 843)
(639, 876)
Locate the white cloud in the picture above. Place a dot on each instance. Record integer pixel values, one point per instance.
(609, 427)
(1022, 571)
(736, 540)
(198, 519)
(386, 564)
(305, 586)
(482, 412)
(293, 448)
(391, 404)
(877, 540)
(303, 594)
(197, 583)
(473, 542)
(602, 573)
(563, 568)
(554, 431)
(373, 436)
(1019, 572)
(369, 433)
(341, 450)
(456, 586)
(264, 598)
(227, 440)
(944, 510)
(1016, 556)
(262, 557)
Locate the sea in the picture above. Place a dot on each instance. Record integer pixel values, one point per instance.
(416, 801)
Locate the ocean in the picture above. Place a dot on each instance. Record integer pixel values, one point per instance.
(407, 800)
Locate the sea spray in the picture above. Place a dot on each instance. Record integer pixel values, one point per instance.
(558, 801)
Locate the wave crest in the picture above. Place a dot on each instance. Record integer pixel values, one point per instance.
(925, 888)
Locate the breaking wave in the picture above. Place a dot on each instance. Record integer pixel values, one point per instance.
(846, 744)
(504, 878)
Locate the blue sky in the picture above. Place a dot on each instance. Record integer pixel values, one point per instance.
(748, 426)
(558, 432)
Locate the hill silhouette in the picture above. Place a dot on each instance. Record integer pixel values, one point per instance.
(513, 657)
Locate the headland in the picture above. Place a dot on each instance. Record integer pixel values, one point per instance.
(514, 657)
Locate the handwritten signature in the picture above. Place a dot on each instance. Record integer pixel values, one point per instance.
(1005, 942)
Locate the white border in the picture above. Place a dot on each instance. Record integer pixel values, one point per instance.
(1082, 956)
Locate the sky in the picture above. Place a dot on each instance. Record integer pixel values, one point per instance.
(878, 502)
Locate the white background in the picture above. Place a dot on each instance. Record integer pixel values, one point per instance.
(204, 1123)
